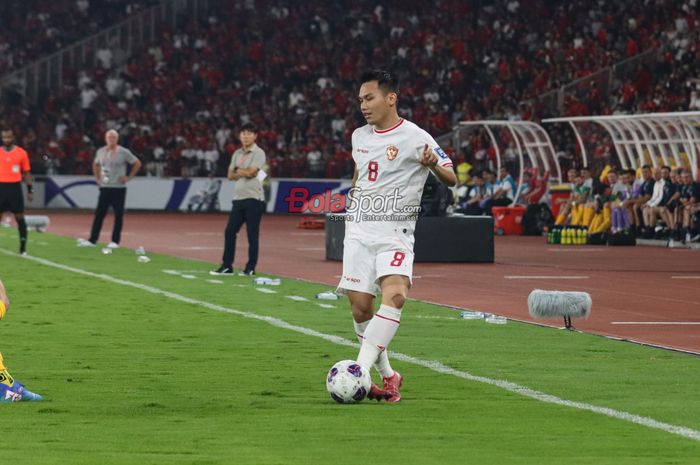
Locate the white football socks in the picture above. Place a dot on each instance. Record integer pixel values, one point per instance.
(377, 336)
(382, 364)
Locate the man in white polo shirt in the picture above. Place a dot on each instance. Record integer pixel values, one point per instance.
(110, 169)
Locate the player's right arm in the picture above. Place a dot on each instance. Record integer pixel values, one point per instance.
(353, 145)
(233, 173)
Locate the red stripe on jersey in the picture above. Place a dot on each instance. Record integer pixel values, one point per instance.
(359, 335)
(448, 165)
(384, 131)
(388, 319)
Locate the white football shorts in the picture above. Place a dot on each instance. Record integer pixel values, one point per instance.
(366, 261)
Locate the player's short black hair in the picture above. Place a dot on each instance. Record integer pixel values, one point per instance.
(385, 80)
(666, 167)
(249, 127)
(646, 167)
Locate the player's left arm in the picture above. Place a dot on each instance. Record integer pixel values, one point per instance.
(255, 166)
(27, 177)
(445, 174)
(135, 167)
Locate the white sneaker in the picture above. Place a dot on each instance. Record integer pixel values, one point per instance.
(112, 245)
(85, 243)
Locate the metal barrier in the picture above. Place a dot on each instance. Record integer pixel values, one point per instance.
(533, 146)
(651, 138)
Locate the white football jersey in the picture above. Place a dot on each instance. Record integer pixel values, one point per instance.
(390, 177)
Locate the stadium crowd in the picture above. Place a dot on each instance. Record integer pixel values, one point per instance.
(291, 68)
(33, 29)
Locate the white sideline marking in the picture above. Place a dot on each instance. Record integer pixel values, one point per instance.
(326, 305)
(196, 247)
(546, 277)
(180, 272)
(565, 249)
(265, 290)
(685, 277)
(660, 323)
(188, 276)
(433, 365)
(430, 317)
(214, 281)
(298, 298)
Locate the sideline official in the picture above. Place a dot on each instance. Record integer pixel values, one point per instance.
(110, 169)
(248, 201)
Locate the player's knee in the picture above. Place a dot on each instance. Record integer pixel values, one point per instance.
(398, 300)
(361, 312)
(362, 306)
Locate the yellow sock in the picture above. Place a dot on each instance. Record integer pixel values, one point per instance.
(602, 222)
(607, 219)
(588, 214)
(561, 219)
(576, 213)
(5, 377)
(594, 227)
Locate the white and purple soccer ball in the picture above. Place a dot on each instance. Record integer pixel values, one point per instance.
(347, 382)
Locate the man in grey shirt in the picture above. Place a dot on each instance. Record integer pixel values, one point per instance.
(110, 169)
(248, 201)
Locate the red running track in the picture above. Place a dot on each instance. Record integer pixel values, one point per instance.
(658, 287)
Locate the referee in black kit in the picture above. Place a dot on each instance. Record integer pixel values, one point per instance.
(248, 201)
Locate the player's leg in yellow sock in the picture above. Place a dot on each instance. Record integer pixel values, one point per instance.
(588, 214)
(601, 222)
(594, 226)
(5, 377)
(576, 215)
(607, 219)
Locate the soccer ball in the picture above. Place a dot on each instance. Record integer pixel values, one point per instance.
(347, 382)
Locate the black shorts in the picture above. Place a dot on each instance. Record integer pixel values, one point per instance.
(11, 198)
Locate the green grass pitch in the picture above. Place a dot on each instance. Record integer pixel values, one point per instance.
(134, 377)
